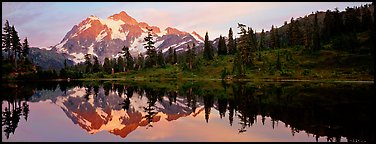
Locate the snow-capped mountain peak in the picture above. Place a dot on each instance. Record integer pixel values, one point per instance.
(106, 37)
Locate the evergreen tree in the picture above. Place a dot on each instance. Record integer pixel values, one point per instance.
(150, 50)
(175, 58)
(333, 25)
(244, 48)
(224, 47)
(140, 61)
(290, 35)
(107, 65)
(261, 44)
(88, 63)
(308, 37)
(366, 19)
(231, 43)
(25, 49)
(272, 38)
(251, 39)
(170, 56)
(208, 51)
(296, 34)
(161, 60)
(96, 66)
(16, 45)
(221, 46)
(6, 39)
(129, 62)
(277, 39)
(120, 64)
(191, 55)
(351, 20)
(237, 64)
(114, 65)
(241, 56)
(316, 36)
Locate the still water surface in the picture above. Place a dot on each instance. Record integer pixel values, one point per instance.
(186, 111)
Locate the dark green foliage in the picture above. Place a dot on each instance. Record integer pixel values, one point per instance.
(170, 56)
(345, 42)
(366, 19)
(129, 62)
(6, 39)
(107, 66)
(273, 38)
(96, 65)
(351, 20)
(222, 48)
(120, 64)
(140, 62)
(231, 43)
(208, 49)
(88, 64)
(151, 59)
(333, 24)
(316, 44)
(244, 49)
(161, 60)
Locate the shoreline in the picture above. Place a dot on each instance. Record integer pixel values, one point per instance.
(212, 79)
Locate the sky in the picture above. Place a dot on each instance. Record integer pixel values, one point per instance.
(46, 23)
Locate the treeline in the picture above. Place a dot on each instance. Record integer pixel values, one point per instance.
(333, 29)
(14, 54)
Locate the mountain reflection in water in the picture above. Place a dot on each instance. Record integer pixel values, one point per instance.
(330, 111)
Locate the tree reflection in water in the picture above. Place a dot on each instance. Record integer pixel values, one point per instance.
(323, 110)
(15, 96)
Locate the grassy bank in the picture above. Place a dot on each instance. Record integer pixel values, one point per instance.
(295, 64)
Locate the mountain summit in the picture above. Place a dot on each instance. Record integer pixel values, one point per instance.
(106, 37)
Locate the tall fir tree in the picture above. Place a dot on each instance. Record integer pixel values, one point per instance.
(96, 66)
(6, 39)
(241, 57)
(161, 60)
(222, 49)
(260, 44)
(25, 49)
(107, 66)
(290, 33)
(16, 45)
(129, 62)
(151, 52)
(208, 51)
(120, 64)
(140, 61)
(170, 55)
(88, 64)
(262, 41)
(272, 38)
(277, 38)
(366, 19)
(231, 42)
(316, 35)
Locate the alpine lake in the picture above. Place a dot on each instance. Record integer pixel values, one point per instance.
(187, 111)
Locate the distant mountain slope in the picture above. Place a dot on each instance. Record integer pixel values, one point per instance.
(48, 59)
